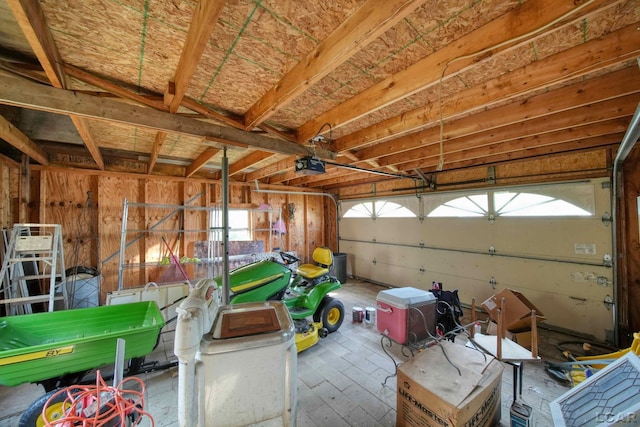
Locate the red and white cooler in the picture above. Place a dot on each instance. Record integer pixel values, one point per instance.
(406, 315)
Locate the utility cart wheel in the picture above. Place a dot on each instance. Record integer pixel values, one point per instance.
(330, 313)
(32, 417)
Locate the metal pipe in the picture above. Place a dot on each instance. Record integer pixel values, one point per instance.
(628, 142)
(372, 171)
(226, 292)
(305, 193)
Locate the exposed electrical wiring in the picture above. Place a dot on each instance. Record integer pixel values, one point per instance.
(487, 50)
(317, 138)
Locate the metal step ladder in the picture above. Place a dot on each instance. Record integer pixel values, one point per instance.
(33, 256)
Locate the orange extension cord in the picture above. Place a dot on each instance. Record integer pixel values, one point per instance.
(116, 405)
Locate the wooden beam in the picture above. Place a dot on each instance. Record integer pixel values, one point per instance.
(615, 47)
(582, 145)
(155, 151)
(202, 25)
(568, 102)
(13, 136)
(248, 161)
(273, 131)
(201, 160)
(36, 75)
(225, 141)
(112, 87)
(522, 20)
(535, 127)
(272, 169)
(83, 129)
(25, 94)
(608, 130)
(209, 113)
(31, 20)
(29, 16)
(366, 24)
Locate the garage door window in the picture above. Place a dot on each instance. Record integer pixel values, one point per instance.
(550, 200)
(568, 200)
(509, 203)
(475, 205)
(378, 209)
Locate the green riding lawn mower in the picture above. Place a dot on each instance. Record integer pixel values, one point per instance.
(305, 292)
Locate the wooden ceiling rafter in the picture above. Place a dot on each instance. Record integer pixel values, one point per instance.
(453, 82)
(365, 25)
(155, 102)
(36, 74)
(573, 63)
(32, 22)
(565, 139)
(113, 88)
(583, 145)
(274, 131)
(429, 71)
(248, 161)
(616, 108)
(619, 84)
(204, 20)
(272, 169)
(22, 142)
(24, 94)
(161, 136)
(193, 105)
(201, 160)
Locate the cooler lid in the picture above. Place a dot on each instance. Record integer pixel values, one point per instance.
(405, 296)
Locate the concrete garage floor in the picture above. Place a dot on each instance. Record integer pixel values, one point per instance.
(340, 380)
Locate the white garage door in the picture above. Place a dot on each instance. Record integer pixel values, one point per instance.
(552, 243)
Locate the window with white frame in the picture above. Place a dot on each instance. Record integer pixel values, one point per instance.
(379, 209)
(239, 224)
(566, 199)
(472, 205)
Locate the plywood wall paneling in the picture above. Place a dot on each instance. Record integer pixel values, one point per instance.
(330, 224)
(67, 196)
(33, 208)
(61, 196)
(296, 224)
(166, 222)
(239, 193)
(314, 219)
(113, 191)
(278, 203)
(195, 194)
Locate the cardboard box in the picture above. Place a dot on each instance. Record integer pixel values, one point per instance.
(431, 392)
(522, 338)
(517, 311)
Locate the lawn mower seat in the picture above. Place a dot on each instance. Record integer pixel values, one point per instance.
(323, 258)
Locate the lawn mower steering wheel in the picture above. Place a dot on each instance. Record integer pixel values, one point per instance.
(288, 258)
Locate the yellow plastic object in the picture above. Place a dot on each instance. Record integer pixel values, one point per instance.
(635, 348)
(304, 340)
(321, 256)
